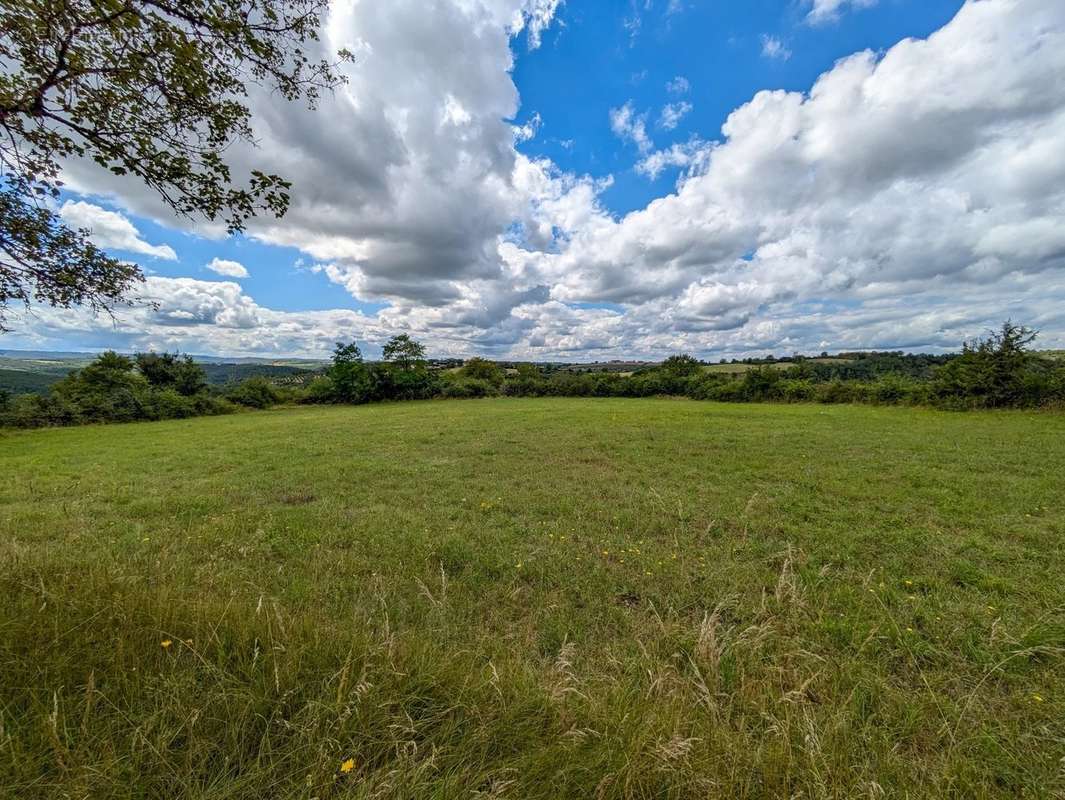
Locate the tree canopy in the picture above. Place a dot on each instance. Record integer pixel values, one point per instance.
(404, 352)
(153, 89)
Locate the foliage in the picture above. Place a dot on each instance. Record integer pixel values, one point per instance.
(44, 261)
(405, 374)
(349, 377)
(117, 388)
(483, 370)
(254, 393)
(166, 370)
(993, 372)
(682, 365)
(152, 89)
(404, 352)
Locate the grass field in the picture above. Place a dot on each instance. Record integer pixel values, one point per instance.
(739, 369)
(536, 599)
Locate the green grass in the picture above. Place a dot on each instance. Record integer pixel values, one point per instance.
(536, 599)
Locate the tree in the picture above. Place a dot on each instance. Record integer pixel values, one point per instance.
(992, 371)
(681, 365)
(154, 89)
(349, 376)
(108, 389)
(169, 371)
(42, 260)
(404, 352)
(482, 369)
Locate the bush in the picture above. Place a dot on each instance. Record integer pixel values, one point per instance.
(468, 388)
(797, 390)
(392, 382)
(169, 404)
(482, 369)
(894, 389)
(320, 390)
(834, 391)
(37, 411)
(761, 383)
(254, 393)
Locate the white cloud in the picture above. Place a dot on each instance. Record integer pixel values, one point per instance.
(898, 176)
(231, 269)
(110, 230)
(822, 11)
(673, 113)
(691, 155)
(524, 133)
(774, 48)
(630, 126)
(679, 85)
(537, 16)
(910, 198)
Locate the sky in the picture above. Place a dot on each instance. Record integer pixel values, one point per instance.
(592, 179)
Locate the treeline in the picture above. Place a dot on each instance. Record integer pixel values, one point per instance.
(999, 371)
(147, 386)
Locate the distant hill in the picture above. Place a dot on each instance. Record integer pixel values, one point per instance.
(26, 371)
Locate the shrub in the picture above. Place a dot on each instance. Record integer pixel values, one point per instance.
(834, 391)
(169, 404)
(468, 388)
(483, 370)
(37, 411)
(254, 393)
(390, 382)
(761, 383)
(797, 390)
(320, 390)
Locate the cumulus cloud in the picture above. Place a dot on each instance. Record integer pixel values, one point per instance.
(537, 16)
(673, 113)
(231, 269)
(630, 126)
(822, 11)
(896, 174)
(691, 155)
(110, 230)
(774, 48)
(524, 133)
(910, 198)
(402, 178)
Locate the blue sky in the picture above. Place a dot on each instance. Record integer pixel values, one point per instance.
(551, 180)
(598, 57)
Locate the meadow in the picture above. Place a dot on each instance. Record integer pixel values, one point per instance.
(536, 598)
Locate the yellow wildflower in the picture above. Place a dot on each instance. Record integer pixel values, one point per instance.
(165, 643)
(347, 766)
